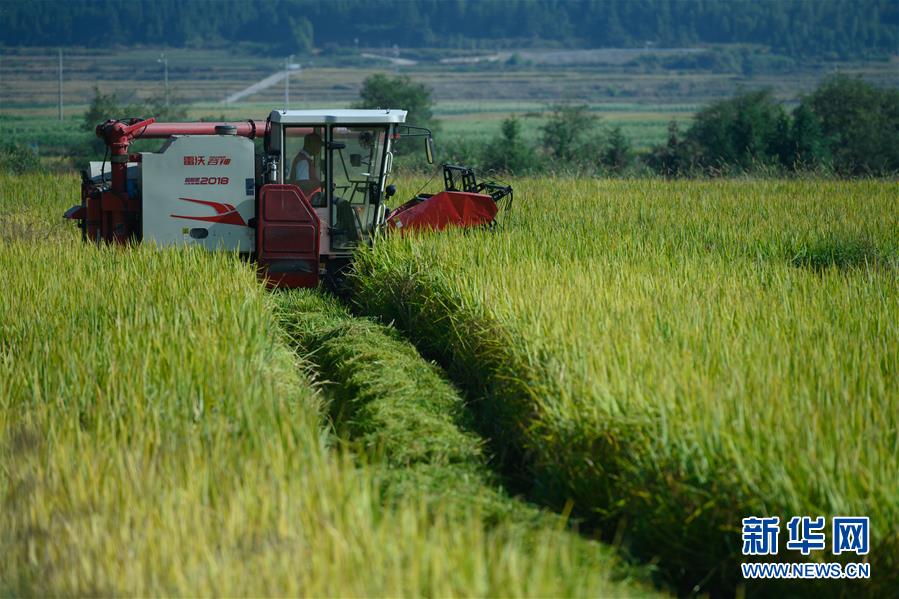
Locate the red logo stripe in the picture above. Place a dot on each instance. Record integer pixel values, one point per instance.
(225, 213)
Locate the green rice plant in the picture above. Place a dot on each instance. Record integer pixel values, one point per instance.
(158, 437)
(650, 351)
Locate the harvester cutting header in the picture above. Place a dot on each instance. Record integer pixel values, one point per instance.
(299, 206)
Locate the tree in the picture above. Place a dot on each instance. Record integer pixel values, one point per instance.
(739, 132)
(102, 107)
(300, 35)
(568, 132)
(107, 106)
(806, 145)
(382, 91)
(860, 123)
(674, 158)
(156, 106)
(509, 152)
(573, 139)
(617, 155)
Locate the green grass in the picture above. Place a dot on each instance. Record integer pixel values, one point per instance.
(674, 356)
(158, 437)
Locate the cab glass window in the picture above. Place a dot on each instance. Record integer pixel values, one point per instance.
(357, 158)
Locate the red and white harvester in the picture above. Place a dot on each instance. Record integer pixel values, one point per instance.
(299, 203)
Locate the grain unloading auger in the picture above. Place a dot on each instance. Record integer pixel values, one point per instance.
(299, 204)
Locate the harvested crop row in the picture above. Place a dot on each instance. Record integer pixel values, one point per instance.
(674, 356)
(400, 415)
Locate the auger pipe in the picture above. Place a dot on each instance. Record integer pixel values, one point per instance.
(251, 129)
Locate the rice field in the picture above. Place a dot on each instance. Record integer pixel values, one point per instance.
(161, 433)
(672, 357)
(650, 360)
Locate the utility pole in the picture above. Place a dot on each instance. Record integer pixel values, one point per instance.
(165, 69)
(287, 64)
(59, 87)
(299, 68)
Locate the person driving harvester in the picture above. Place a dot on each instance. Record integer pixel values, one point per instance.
(304, 170)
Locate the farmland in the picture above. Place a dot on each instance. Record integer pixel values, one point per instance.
(162, 433)
(658, 358)
(673, 356)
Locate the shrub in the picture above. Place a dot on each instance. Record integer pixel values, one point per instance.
(16, 159)
(675, 158)
(568, 133)
(509, 152)
(617, 154)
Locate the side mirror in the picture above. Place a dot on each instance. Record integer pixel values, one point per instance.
(390, 191)
(356, 159)
(429, 149)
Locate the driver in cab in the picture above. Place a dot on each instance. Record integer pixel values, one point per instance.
(305, 168)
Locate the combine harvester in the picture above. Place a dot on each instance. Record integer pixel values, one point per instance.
(299, 206)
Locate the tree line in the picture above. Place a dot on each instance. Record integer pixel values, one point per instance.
(826, 28)
(845, 127)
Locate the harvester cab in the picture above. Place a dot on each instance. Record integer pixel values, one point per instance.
(300, 205)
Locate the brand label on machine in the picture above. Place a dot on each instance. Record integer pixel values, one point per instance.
(207, 161)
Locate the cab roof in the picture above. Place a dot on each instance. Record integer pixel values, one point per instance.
(340, 115)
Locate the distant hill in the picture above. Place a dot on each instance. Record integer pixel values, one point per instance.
(820, 28)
